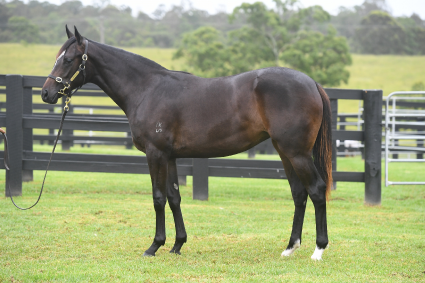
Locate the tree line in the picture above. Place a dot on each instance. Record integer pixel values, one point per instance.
(369, 28)
(43, 22)
(308, 39)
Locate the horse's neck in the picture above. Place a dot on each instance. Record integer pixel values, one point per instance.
(119, 75)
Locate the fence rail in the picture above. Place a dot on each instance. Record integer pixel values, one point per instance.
(20, 120)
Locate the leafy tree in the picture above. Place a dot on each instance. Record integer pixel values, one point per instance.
(72, 7)
(415, 34)
(273, 35)
(5, 35)
(246, 50)
(23, 30)
(210, 53)
(379, 33)
(348, 19)
(322, 57)
(276, 27)
(4, 15)
(204, 52)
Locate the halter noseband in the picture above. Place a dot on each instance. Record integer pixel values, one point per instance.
(67, 85)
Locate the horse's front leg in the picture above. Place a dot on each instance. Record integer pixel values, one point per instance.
(174, 199)
(157, 162)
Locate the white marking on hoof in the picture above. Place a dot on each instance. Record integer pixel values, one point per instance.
(290, 251)
(176, 187)
(317, 255)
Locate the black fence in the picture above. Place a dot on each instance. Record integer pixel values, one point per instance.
(20, 120)
(68, 138)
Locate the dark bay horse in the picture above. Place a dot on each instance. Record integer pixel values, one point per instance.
(178, 115)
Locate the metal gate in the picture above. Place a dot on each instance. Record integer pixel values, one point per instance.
(405, 110)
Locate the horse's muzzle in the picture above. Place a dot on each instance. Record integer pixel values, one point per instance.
(45, 97)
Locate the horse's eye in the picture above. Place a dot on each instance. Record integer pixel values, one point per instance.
(67, 60)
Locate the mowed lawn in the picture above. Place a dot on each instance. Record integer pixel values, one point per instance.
(387, 72)
(92, 227)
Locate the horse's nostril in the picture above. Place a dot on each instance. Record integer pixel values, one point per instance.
(44, 94)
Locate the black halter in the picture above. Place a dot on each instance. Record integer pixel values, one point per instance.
(81, 69)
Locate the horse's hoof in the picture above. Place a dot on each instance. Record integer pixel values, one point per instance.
(290, 250)
(175, 252)
(317, 255)
(147, 254)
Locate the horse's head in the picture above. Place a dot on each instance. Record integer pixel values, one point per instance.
(69, 60)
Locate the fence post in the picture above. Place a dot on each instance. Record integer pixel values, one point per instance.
(129, 145)
(27, 175)
(182, 180)
(269, 147)
(200, 178)
(251, 152)
(372, 104)
(14, 112)
(334, 109)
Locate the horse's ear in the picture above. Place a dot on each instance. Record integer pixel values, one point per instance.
(68, 32)
(78, 36)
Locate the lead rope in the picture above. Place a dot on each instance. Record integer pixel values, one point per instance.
(6, 156)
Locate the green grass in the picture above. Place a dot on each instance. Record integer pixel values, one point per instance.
(94, 227)
(387, 72)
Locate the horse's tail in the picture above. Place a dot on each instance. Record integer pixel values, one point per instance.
(322, 149)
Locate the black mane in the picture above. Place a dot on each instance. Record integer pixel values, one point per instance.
(134, 56)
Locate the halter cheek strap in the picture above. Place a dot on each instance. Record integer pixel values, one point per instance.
(81, 69)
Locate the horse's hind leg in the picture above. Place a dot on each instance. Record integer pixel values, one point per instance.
(174, 199)
(316, 189)
(299, 195)
(305, 180)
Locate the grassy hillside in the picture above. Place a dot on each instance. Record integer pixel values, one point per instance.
(38, 60)
(389, 73)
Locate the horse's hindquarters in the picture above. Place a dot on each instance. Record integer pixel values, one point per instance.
(290, 108)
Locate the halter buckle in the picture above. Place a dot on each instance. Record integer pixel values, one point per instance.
(58, 79)
(85, 57)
